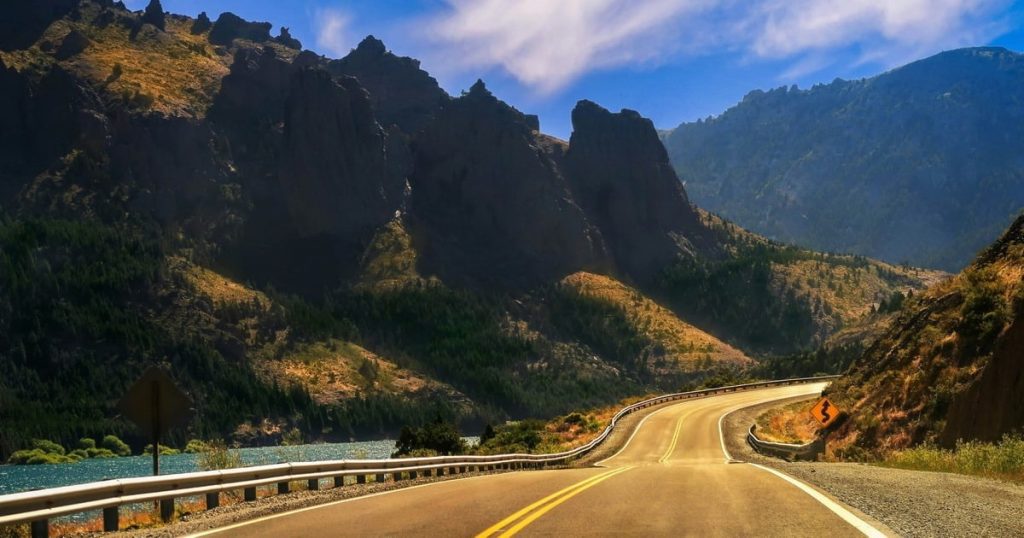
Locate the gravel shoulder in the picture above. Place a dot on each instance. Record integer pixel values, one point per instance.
(909, 503)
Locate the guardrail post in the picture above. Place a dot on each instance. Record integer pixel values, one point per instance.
(381, 478)
(166, 509)
(41, 528)
(111, 519)
(465, 469)
(360, 479)
(212, 500)
(412, 475)
(339, 481)
(250, 494)
(313, 484)
(283, 487)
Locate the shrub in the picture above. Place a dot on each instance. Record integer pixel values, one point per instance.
(115, 445)
(217, 456)
(292, 437)
(439, 436)
(86, 443)
(48, 447)
(195, 446)
(37, 456)
(100, 453)
(984, 312)
(79, 453)
(164, 450)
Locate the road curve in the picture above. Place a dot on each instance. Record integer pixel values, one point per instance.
(671, 479)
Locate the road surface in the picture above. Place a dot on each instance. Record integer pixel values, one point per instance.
(672, 478)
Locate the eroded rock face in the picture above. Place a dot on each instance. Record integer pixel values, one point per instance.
(313, 160)
(22, 22)
(402, 94)
(154, 14)
(492, 207)
(230, 26)
(621, 177)
(40, 123)
(201, 24)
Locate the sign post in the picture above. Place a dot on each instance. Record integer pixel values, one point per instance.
(155, 404)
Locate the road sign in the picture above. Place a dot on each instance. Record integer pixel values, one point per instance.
(155, 404)
(824, 412)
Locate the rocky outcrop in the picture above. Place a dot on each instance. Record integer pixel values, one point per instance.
(154, 14)
(201, 24)
(286, 39)
(402, 94)
(230, 27)
(491, 207)
(621, 177)
(21, 23)
(73, 43)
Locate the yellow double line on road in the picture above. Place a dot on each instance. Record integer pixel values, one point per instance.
(545, 505)
(675, 440)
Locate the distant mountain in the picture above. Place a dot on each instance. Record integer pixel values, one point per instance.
(950, 366)
(340, 247)
(923, 164)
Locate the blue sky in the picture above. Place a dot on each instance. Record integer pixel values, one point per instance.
(671, 60)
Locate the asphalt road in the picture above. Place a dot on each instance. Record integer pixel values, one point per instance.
(672, 478)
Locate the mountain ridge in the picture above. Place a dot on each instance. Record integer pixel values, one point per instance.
(932, 148)
(391, 233)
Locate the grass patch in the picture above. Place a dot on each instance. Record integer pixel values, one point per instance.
(1003, 460)
(791, 423)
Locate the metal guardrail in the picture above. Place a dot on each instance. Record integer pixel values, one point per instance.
(38, 507)
(809, 451)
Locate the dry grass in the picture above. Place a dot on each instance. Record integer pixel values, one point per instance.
(1003, 460)
(220, 289)
(851, 292)
(173, 72)
(334, 370)
(791, 423)
(390, 260)
(683, 341)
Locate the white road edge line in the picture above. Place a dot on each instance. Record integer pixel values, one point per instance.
(637, 429)
(863, 526)
(325, 505)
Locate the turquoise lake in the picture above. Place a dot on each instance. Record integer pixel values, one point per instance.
(15, 478)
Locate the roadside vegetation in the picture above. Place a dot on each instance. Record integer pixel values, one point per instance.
(790, 423)
(1003, 459)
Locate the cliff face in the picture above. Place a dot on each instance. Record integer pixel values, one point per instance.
(402, 94)
(949, 367)
(622, 178)
(494, 207)
(312, 158)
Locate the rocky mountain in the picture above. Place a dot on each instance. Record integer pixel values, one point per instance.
(340, 247)
(922, 164)
(949, 366)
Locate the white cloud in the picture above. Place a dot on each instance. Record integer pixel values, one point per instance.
(332, 31)
(547, 44)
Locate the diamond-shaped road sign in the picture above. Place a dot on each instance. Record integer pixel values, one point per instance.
(155, 404)
(824, 412)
